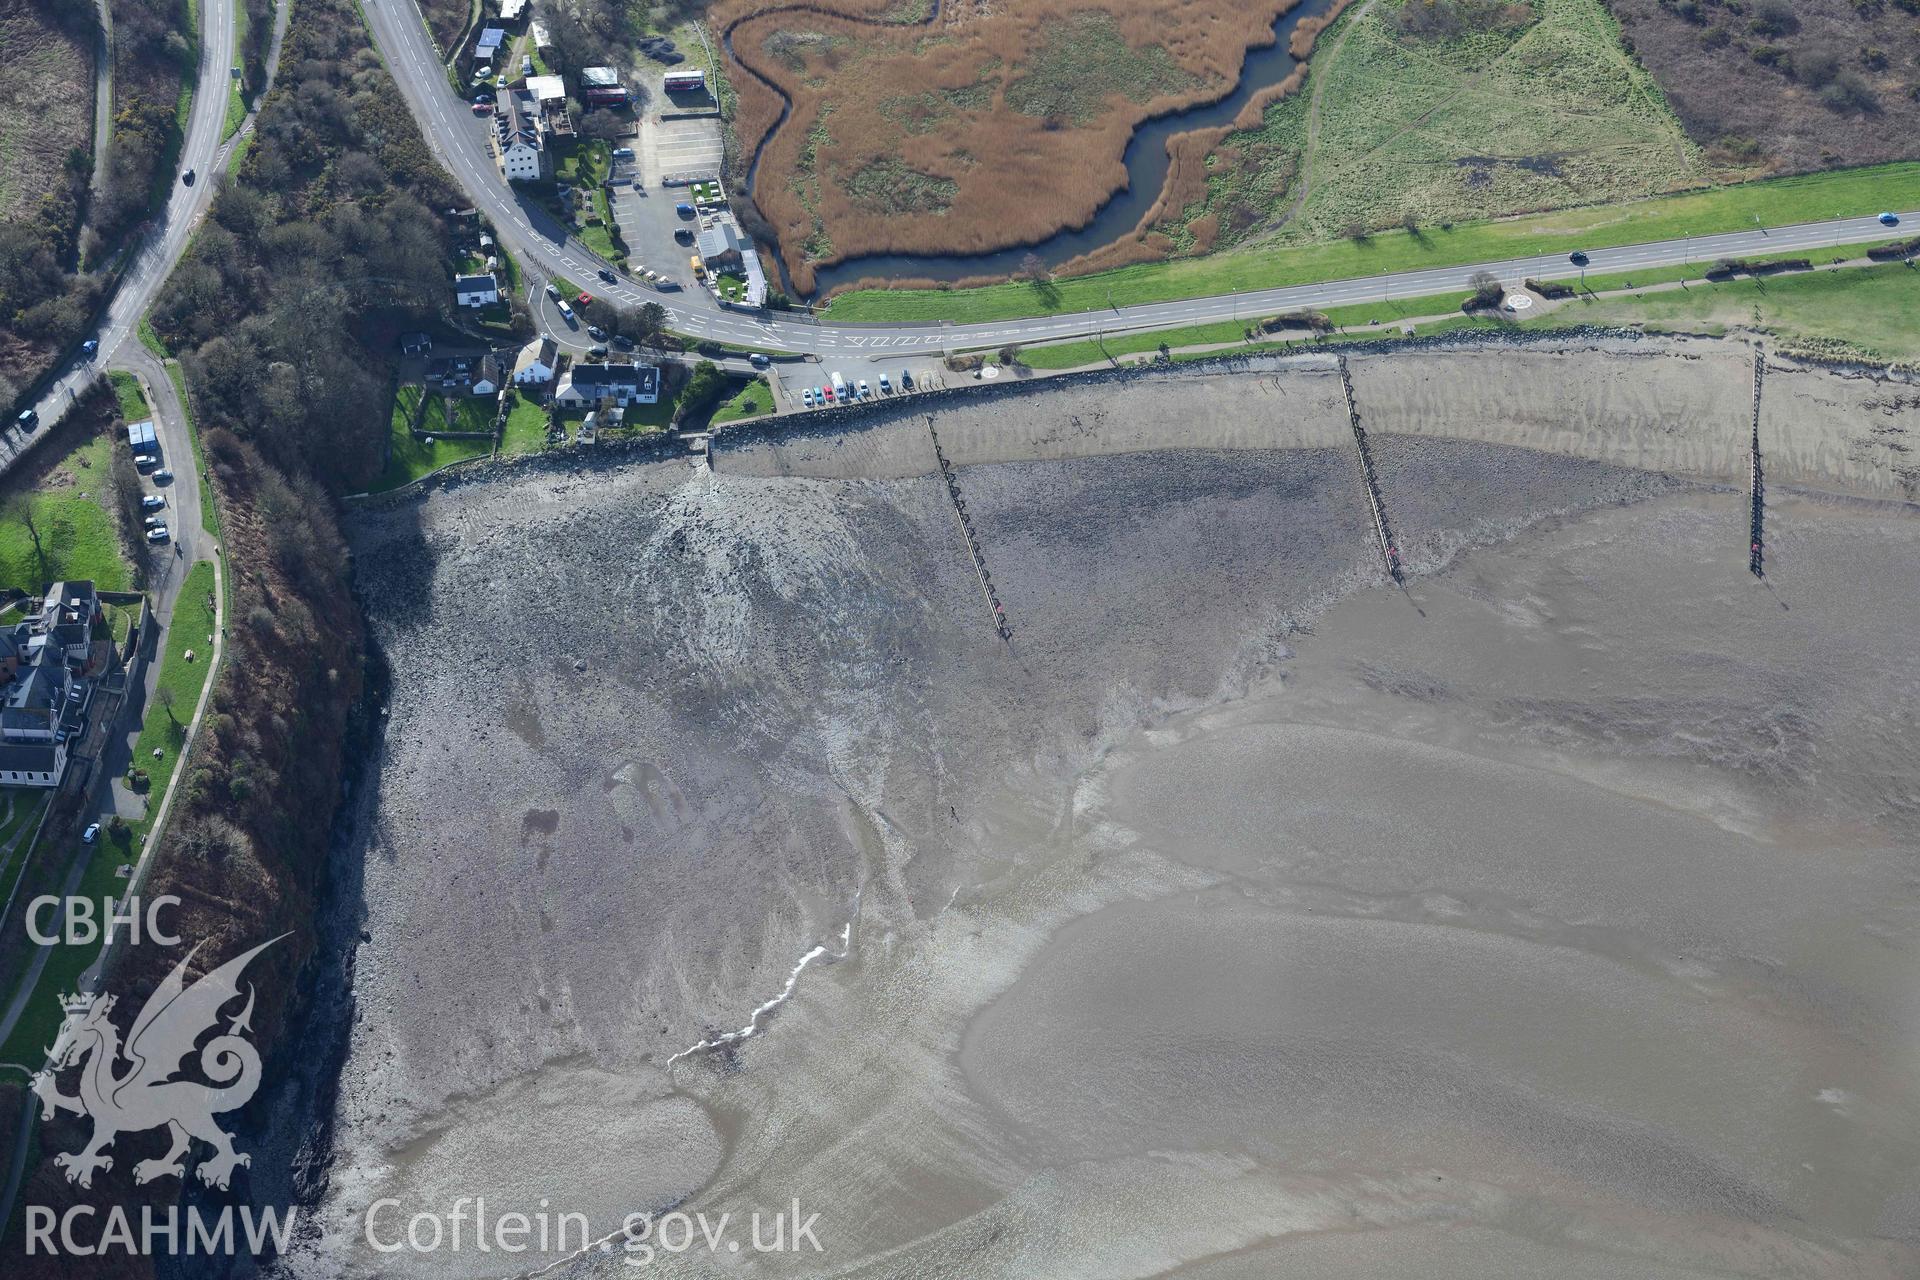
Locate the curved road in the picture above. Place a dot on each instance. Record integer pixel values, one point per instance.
(161, 247)
(459, 139)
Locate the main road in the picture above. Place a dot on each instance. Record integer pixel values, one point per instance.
(161, 247)
(460, 141)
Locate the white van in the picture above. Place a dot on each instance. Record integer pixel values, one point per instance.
(839, 387)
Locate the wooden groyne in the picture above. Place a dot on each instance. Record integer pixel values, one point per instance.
(1000, 626)
(1369, 479)
(1756, 479)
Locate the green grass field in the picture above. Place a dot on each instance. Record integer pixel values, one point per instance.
(526, 430)
(1873, 310)
(753, 400)
(71, 512)
(133, 401)
(1777, 202)
(411, 457)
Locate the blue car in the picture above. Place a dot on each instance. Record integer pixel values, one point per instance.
(684, 210)
(90, 348)
(1889, 219)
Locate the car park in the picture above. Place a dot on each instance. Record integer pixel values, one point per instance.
(684, 210)
(158, 534)
(806, 396)
(865, 391)
(906, 380)
(163, 476)
(152, 502)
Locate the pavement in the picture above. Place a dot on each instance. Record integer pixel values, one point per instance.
(457, 139)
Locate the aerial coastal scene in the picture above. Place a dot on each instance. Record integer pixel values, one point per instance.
(909, 638)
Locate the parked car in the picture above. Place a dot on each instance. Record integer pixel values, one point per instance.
(566, 311)
(163, 476)
(595, 331)
(623, 153)
(526, 64)
(90, 348)
(622, 342)
(187, 177)
(826, 393)
(27, 420)
(585, 299)
(758, 360)
(608, 276)
(866, 392)
(597, 352)
(683, 234)
(886, 388)
(152, 502)
(906, 380)
(553, 293)
(699, 267)
(806, 396)
(91, 834)
(153, 522)
(1889, 219)
(684, 210)
(158, 534)
(483, 108)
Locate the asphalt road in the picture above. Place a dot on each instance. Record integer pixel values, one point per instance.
(459, 139)
(153, 261)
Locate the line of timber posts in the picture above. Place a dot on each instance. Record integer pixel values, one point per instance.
(1756, 479)
(1000, 626)
(1369, 479)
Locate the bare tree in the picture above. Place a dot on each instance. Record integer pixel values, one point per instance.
(17, 508)
(1034, 269)
(166, 697)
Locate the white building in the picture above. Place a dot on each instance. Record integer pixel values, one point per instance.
(535, 363)
(476, 291)
(623, 384)
(522, 138)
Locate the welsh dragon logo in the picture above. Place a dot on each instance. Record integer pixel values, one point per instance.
(147, 1094)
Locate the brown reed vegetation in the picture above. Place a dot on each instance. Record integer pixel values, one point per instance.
(1025, 109)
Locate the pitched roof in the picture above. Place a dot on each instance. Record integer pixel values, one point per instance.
(474, 284)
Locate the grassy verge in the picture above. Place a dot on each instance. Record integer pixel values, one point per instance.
(236, 95)
(133, 401)
(1775, 202)
(151, 340)
(192, 622)
(28, 804)
(753, 400)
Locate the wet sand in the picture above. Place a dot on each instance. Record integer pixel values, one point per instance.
(1248, 915)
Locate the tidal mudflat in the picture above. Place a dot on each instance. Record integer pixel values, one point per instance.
(1249, 914)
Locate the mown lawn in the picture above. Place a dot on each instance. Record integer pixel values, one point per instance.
(526, 430)
(410, 457)
(753, 400)
(1775, 202)
(72, 514)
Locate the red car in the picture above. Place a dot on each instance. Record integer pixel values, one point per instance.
(828, 393)
(482, 109)
(585, 298)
